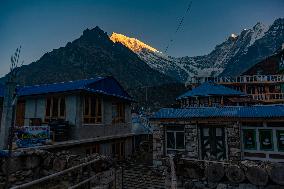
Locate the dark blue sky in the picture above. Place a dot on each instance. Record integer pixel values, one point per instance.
(40, 26)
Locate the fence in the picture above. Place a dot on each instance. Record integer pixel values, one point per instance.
(82, 176)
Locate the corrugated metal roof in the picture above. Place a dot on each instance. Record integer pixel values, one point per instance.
(259, 111)
(210, 89)
(102, 85)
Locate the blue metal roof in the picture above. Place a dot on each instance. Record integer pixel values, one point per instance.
(102, 85)
(1, 90)
(259, 111)
(211, 89)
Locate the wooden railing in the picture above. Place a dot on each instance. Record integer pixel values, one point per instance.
(240, 79)
(268, 97)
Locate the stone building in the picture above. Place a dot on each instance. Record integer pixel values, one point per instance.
(96, 113)
(220, 133)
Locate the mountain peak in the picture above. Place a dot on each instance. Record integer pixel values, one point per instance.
(133, 44)
(259, 26)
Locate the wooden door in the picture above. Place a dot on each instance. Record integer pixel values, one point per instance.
(213, 143)
(20, 113)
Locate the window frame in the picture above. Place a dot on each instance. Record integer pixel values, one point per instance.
(51, 106)
(280, 149)
(97, 117)
(119, 116)
(271, 138)
(255, 139)
(175, 139)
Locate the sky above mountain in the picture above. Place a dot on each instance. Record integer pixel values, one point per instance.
(40, 26)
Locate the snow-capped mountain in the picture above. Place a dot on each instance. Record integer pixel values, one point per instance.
(227, 58)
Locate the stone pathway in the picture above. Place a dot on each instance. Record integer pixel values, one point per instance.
(142, 176)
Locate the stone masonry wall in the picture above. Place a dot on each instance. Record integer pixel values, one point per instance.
(191, 141)
(233, 141)
(158, 140)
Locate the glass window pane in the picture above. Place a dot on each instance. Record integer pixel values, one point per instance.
(93, 106)
(249, 139)
(170, 140)
(62, 107)
(99, 111)
(265, 139)
(179, 140)
(48, 106)
(206, 132)
(86, 105)
(280, 140)
(55, 107)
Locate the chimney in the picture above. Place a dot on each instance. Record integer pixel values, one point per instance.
(7, 113)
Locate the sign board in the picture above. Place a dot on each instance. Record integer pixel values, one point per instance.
(30, 136)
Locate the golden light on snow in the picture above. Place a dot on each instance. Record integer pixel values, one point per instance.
(132, 43)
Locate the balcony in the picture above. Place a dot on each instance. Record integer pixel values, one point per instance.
(246, 79)
(269, 97)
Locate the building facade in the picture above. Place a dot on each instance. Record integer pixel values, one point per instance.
(209, 94)
(263, 81)
(220, 133)
(95, 112)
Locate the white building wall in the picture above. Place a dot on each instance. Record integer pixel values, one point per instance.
(71, 107)
(107, 111)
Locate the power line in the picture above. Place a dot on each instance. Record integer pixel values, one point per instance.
(179, 25)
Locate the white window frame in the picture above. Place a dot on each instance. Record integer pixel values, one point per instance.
(174, 149)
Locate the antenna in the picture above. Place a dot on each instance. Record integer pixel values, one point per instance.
(179, 25)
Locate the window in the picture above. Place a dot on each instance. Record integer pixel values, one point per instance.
(175, 138)
(92, 109)
(249, 139)
(118, 113)
(55, 108)
(265, 139)
(280, 139)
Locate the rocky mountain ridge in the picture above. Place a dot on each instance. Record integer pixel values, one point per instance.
(232, 57)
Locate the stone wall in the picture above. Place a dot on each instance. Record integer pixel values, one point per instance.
(191, 141)
(26, 166)
(233, 141)
(158, 141)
